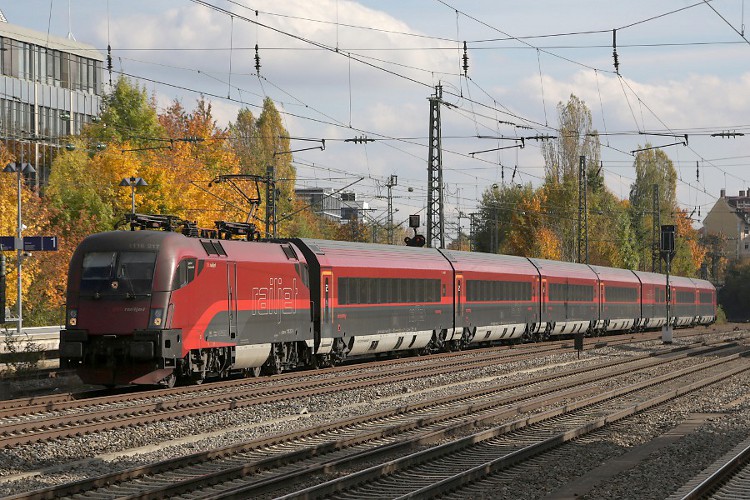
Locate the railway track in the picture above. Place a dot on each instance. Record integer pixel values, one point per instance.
(38, 419)
(31, 404)
(728, 478)
(272, 465)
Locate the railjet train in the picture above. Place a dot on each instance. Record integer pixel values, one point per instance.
(159, 307)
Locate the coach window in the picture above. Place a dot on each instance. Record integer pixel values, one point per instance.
(364, 289)
(384, 288)
(185, 273)
(343, 291)
(375, 290)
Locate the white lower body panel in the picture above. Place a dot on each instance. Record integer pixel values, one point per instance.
(568, 327)
(684, 320)
(454, 334)
(388, 342)
(654, 322)
(326, 344)
(620, 324)
(250, 356)
(498, 332)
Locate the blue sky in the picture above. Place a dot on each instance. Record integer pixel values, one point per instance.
(683, 71)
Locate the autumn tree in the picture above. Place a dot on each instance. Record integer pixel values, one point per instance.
(652, 168)
(304, 223)
(528, 234)
(576, 138)
(43, 274)
(262, 143)
(83, 187)
(496, 211)
(715, 262)
(513, 221)
(689, 252)
(182, 174)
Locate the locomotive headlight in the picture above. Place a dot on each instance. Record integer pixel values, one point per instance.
(72, 317)
(157, 317)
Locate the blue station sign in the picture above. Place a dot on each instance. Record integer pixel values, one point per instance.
(40, 243)
(30, 243)
(7, 243)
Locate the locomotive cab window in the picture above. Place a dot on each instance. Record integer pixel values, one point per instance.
(135, 270)
(184, 274)
(126, 272)
(97, 268)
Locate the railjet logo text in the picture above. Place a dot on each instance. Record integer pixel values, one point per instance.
(275, 298)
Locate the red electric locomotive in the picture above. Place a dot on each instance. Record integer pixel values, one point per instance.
(146, 307)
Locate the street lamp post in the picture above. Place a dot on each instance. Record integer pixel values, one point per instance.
(133, 182)
(19, 168)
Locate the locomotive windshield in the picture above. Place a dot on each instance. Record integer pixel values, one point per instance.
(128, 273)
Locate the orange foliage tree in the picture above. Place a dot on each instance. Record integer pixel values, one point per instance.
(690, 253)
(528, 235)
(181, 174)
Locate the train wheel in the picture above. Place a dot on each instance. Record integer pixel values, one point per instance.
(273, 366)
(323, 361)
(169, 381)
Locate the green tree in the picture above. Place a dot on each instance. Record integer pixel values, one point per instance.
(244, 139)
(128, 115)
(76, 194)
(609, 231)
(495, 215)
(576, 137)
(734, 296)
(652, 167)
(262, 143)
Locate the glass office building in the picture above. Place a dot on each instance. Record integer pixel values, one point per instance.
(49, 88)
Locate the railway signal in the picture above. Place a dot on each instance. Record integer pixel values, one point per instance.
(667, 251)
(418, 240)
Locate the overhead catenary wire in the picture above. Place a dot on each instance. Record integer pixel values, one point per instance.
(472, 112)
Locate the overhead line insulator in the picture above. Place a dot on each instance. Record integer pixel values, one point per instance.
(466, 61)
(614, 51)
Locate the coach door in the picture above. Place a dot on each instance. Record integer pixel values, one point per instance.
(460, 299)
(232, 298)
(326, 303)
